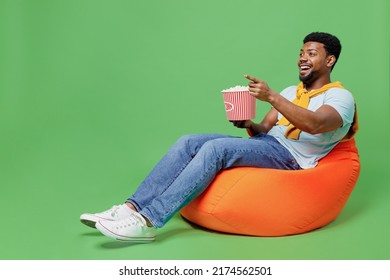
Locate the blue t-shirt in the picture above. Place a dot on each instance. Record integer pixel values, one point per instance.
(310, 148)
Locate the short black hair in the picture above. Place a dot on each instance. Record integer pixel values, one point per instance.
(331, 43)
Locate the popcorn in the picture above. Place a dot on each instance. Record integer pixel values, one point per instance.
(236, 89)
(239, 104)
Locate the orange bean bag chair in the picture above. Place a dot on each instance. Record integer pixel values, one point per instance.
(271, 202)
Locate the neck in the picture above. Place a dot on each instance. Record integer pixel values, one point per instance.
(318, 83)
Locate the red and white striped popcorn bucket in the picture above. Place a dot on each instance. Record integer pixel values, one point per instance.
(239, 105)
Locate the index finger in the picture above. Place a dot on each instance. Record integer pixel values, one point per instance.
(253, 79)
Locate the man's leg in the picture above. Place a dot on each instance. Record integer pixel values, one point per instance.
(169, 168)
(213, 156)
(158, 180)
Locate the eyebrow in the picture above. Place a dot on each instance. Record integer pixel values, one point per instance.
(310, 50)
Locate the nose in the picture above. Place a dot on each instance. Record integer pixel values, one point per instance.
(303, 58)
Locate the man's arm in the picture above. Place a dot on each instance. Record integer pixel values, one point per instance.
(325, 119)
(264, 126)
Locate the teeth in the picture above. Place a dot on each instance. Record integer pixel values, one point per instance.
(305, 67)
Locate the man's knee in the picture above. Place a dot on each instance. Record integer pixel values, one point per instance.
(213, 147)
(185, 139)
(190, 143)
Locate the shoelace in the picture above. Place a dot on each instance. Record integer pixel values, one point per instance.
(113, 211)
(133, 220)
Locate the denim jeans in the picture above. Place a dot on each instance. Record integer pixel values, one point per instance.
(192, 163)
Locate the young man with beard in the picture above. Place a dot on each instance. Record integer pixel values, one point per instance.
(303, 125)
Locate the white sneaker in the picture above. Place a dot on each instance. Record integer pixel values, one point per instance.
(117, 212)
(132, 228)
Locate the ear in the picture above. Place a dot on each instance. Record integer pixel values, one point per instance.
(330, 61)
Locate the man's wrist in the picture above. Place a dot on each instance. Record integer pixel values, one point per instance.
(251, 129)
(250, 132)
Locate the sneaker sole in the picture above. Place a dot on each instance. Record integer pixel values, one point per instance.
(112, 235)
(89, 223)
(91, 220)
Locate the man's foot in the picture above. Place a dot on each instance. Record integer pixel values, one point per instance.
(133, 228)
(117, 212)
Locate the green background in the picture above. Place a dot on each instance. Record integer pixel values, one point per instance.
(94, 92)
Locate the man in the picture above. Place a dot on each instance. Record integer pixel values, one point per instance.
(303, 125)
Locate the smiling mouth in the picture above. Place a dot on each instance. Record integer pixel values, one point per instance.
(304, 69)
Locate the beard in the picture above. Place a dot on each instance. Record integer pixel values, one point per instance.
(308, 79)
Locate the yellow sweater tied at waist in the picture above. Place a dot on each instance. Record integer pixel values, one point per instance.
(302, 99)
